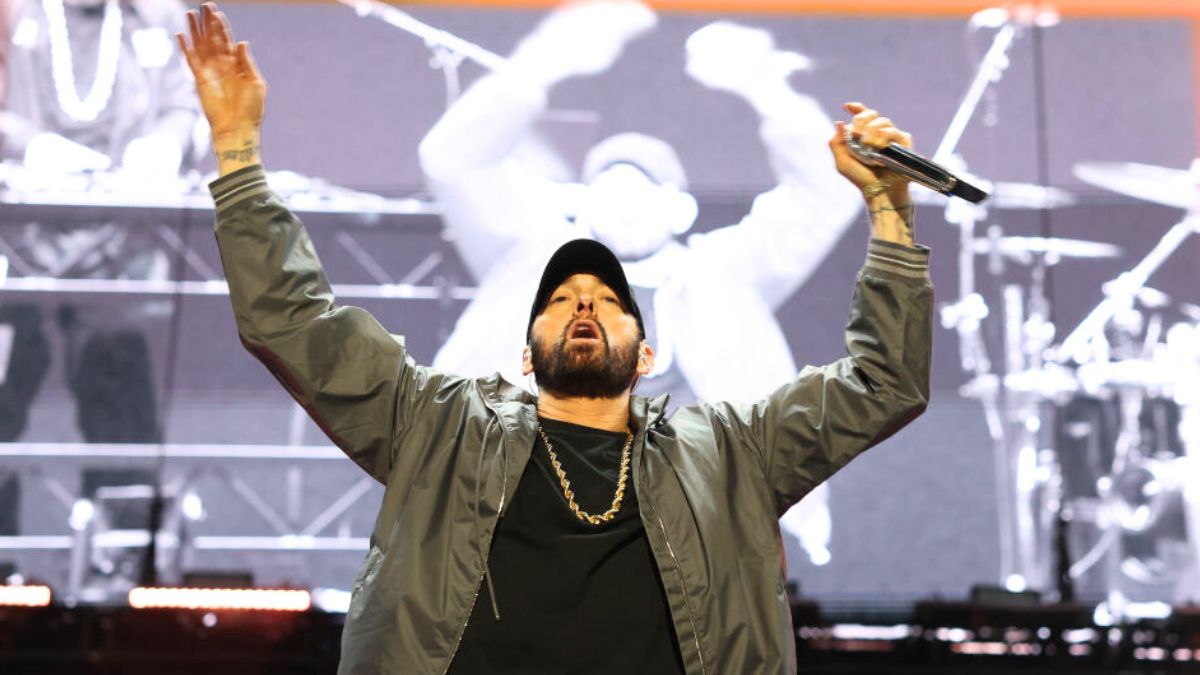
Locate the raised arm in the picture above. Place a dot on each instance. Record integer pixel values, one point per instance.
(232, 91)
(791, 228)
(470, 157)
(810, 428)
(355, 380)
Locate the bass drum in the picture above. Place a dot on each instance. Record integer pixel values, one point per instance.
(1144, 497)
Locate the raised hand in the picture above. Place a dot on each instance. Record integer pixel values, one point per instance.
(232, 92)
(739, 59)
(873, 130)
(582, 38)
(888, 201)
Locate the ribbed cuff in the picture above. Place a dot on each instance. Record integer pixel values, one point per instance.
(232, 189)
(906, 261)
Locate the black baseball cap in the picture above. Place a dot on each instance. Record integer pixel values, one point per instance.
(584, 256)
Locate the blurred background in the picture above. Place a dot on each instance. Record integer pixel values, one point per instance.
(1054, 474)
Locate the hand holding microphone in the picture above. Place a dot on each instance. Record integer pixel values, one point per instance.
(878, 158)
(868, 128)
(875, 155)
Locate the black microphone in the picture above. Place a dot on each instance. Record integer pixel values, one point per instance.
(916, 168)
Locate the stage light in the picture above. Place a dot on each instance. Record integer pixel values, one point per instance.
(24, 596)
(977, 648)
(82, 512)
(192, 507)
(331, 600)
(1079, 635)
(220, 598)
(853, 631)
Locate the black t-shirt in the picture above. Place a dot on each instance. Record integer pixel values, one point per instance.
(573, 597)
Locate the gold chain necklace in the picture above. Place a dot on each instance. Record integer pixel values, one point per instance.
(622, 476)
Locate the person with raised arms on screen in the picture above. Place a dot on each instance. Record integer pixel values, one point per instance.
(583, 530)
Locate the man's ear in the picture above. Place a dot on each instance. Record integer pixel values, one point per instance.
(526, 360)
(645, 362)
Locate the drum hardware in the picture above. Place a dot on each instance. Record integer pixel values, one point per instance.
(1131, 492)
(1124, 354)
(1051, 250)
(1006, 196)
(1178, 188)
(1011, 414)
(1139, 181)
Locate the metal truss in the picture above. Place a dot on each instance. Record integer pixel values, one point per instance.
(285, 533)
(94, 199)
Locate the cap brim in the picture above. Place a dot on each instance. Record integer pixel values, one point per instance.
(584, 256)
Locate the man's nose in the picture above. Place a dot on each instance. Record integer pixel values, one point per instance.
(584, 305)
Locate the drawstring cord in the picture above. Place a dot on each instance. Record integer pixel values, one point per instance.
(487, 577)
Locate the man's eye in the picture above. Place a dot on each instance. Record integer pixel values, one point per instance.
(612, 300)
(559, 298)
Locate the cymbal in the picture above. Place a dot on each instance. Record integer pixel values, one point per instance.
(1023, 249)
(1179, 188)
(1005, 196)
(1050, 381)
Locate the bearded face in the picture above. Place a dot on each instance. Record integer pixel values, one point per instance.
(582, 362)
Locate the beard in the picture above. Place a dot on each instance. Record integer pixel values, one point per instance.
(587, 370)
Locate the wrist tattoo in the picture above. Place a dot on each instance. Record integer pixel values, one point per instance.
(904, 213)
(905, 210)
(246, 153)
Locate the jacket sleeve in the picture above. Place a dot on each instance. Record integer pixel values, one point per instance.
(808, 429)
(355, 380)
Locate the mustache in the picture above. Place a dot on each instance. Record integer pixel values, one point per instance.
(583, 373)
(562, 338)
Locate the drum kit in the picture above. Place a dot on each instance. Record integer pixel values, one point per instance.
(1095, 433)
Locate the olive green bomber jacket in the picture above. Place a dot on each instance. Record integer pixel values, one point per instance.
(711, 478)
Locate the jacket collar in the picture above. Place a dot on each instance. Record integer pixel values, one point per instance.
(643, 412)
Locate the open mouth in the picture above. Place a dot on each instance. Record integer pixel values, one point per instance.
(584, 330)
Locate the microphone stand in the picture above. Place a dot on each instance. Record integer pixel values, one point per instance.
(448, 49)
(435, 38)
(991, 70)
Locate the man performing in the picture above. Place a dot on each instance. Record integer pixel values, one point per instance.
(584, 530)
(506, 219)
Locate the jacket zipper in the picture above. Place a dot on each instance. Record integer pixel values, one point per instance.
(463, 629)
(499, 514)
(683, 584)
(479, 586)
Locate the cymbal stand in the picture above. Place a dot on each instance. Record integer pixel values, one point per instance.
(965, 315)
(1036, 479)
(1120, 292)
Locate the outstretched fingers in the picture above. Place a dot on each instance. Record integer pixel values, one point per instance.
(218, 30)
(188, 54)
(196, 34)
(246, 65)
